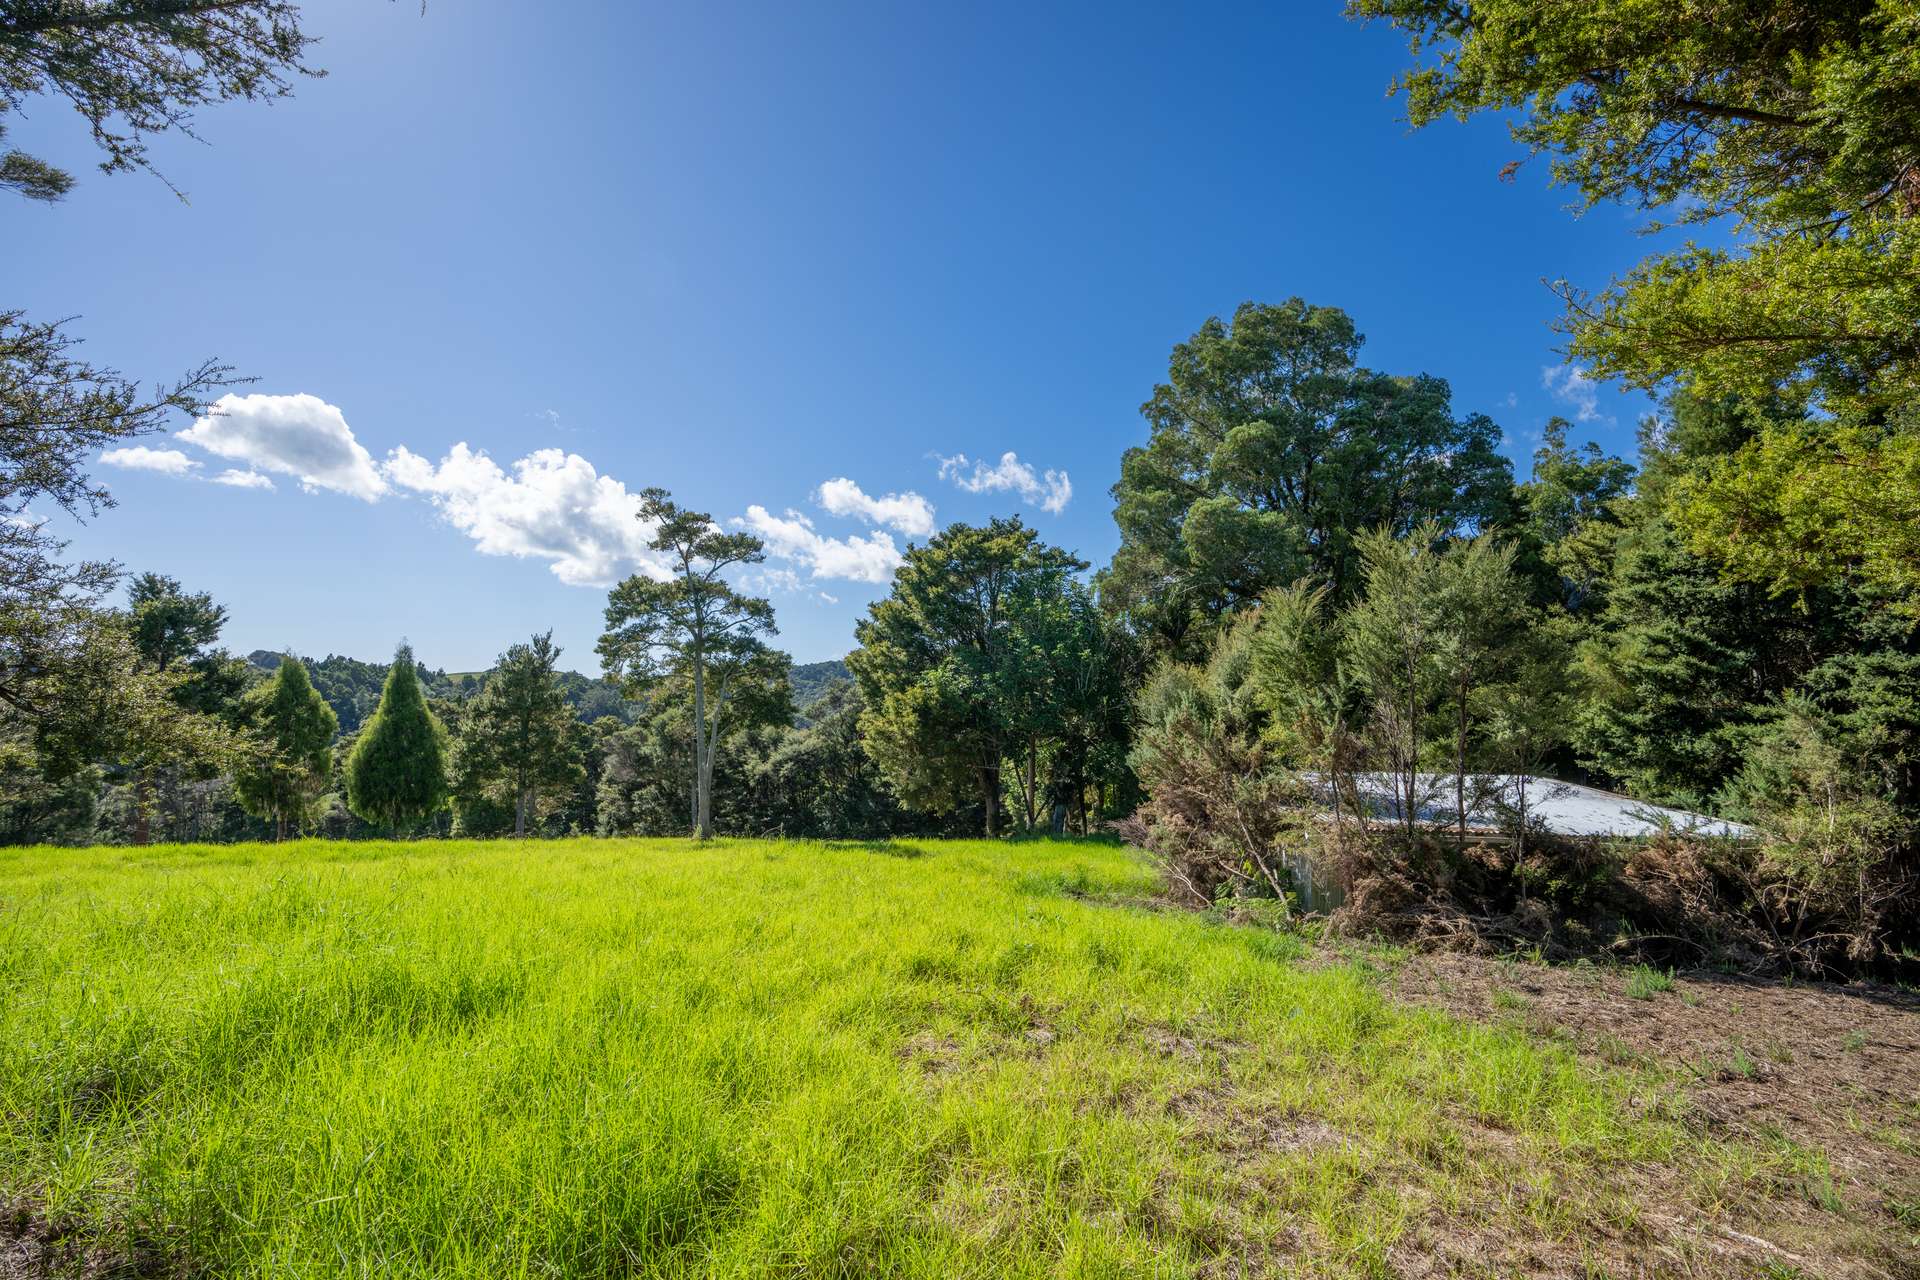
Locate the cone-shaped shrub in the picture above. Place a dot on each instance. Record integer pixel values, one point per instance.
(294, 727)
(397, 774)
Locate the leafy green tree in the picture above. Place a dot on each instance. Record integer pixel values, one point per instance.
(818, 780)
(396, 775)
(519, 735)
(1270, 447)
(173, 633)
(38, 808)
(693, 627)
(1484, 616)
(294, 728)
(1067, 695)
(646, 776)
(949, 662)
(56, 411)
(105, 701)
(1278, 740)
(172, 628)
(1405, 680)
(1794, 121)
(1566, 518)
(1392, 639)
(1810, 504)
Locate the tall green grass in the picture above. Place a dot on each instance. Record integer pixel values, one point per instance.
(609, 1058)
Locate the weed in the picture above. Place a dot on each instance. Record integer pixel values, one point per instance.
(1644, 982)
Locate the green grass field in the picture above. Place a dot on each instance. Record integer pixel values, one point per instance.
(609, 1058)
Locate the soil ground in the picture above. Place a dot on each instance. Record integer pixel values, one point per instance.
(1829, 1074)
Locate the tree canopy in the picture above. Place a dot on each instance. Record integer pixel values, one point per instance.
(293, 728)
(134, 69)
(1794, 121)
(519, 735)
(1270, 449)
(694, 628)
(956, 664)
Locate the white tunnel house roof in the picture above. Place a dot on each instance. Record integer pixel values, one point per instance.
(1562, 808)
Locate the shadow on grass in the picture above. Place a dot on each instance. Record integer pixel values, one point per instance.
(887, 848)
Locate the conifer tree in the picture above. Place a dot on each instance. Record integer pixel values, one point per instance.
(397, 774)
(694, 629)
(518, 735)
(295, 728)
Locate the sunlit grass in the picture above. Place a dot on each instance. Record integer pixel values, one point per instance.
(600, 1058)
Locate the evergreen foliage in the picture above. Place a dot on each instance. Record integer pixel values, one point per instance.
(294, 729)
(696, 630)
(518, 738)
(1271, 449)
(134, 69)
(1795, 122)
(396, 775)
(987, 653)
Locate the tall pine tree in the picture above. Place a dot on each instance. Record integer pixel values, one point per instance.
(295, 728)
(693, 629)
(397, 773)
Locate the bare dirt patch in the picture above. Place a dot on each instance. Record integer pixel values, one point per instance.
(933, 1055)
(32, 1248)
(1813, 1072)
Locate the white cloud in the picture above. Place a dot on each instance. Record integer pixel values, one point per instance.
(771, 580)
(857, 559)
(168, 462)
(908, 512)
(553, 507)
(1574, 387)
(243, 480)
(297, 435)
(1051, 492)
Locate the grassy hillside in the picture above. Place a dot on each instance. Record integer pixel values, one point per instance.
(812, 679)
(612, 1058)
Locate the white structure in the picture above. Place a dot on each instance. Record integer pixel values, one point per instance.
(1495, 800)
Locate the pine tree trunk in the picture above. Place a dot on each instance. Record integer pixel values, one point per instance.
(520, 813)
(1033, 784)
(706, 797)
(143, 807)
(990, 797)
(702, 816)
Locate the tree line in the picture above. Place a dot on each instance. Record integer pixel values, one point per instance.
(1325, 571)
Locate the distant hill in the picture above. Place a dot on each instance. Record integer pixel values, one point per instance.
(810, 681)
(352, 687)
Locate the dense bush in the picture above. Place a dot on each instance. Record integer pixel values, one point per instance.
(1253, 763)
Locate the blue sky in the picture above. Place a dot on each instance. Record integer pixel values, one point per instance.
(741, 252)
